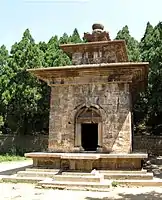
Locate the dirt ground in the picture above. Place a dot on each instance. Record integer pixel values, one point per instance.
(28, 192)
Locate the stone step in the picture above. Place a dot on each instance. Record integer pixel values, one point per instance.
(15, 179)
(77, 178)
(42, 170)
(36, 174)
(147, 176)
(69, 185)
(64, 177)
(51, 174)
(143, 171)
(3, 176)
(143, 183)
(102, 186)
(75, 173)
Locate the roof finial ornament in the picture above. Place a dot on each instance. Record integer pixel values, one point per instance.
(98, 34)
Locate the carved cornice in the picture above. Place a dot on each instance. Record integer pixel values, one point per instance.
(135, 73)
(96, 52)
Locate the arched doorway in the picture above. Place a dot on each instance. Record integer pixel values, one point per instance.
(88, 132)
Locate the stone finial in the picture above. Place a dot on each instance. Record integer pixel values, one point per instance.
(97, 26)
(98, 34)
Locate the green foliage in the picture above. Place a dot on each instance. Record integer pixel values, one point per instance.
(7, 158)
(148, 108)
(151, 50)
(114, 184)
(24, 102)
(22, 91)
(1, 121)
(141, 107)
(132, 44)
(75, 38)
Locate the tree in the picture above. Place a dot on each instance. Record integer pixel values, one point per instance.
(5, 74)
(133, 51)
(132, 44)
(23, 91)
(146, 43)
(64, 39)
(151, 50)
(54, 56)
(75, 38)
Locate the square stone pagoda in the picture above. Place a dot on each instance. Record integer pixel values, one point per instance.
(91, 100)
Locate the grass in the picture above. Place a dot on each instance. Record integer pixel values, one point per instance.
(114, 184)
(7, 158)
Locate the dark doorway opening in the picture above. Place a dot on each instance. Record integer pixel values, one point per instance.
(89, 136)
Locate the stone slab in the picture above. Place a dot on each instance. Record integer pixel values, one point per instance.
(42, 155)
(77, 174)
(69, 176)
(15, 179)
(132, 176)
(143, 183)
(36, 174)
(69, 185)
(53, 174)
(105, 185)
(143, 171)
(131, 155)
(77, 178)
(83, 155)
(87, 161)
(42, 170)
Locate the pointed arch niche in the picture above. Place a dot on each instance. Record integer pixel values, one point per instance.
(88, 129)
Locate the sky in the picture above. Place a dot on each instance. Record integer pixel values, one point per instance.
(46, 18)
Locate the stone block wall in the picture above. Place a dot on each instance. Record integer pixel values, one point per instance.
(148, 144)
(21, 144)
(113, 101)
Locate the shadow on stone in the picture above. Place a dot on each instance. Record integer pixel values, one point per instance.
(14, 170)
(142, 196)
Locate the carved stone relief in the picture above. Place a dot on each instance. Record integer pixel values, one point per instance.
(111, 53)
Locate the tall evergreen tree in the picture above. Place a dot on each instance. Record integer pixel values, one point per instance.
(64, 39)
(132, 44)
(5, 74)
(54, 56)
(146, 43)
(151, 50)
(75, 38)
(24, 90)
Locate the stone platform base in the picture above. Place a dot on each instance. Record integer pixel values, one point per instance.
(96, 180)
(87, 161)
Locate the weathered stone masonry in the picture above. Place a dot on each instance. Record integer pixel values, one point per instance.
(113, 101)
